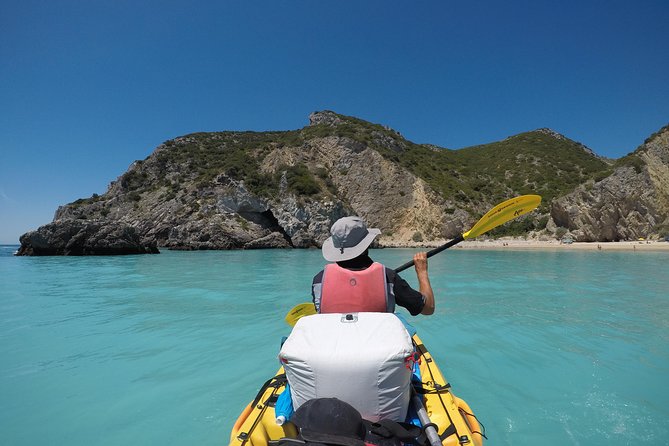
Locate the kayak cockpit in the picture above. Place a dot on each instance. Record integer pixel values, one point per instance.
(362, 365)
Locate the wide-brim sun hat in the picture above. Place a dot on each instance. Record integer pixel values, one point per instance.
(350, 238)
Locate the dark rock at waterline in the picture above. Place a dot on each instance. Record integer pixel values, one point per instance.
(83, 237)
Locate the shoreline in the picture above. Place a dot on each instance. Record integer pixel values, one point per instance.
(550, 245)
(515, 245)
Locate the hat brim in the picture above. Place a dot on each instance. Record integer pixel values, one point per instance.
(333, 254)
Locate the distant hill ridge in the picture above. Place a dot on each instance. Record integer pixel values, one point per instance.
(241, 190)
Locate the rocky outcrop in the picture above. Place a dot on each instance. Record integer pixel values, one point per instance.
(325, 117)
(631, 203)
(385, 195)
(620, 207)
(75, 238)
(254, 190)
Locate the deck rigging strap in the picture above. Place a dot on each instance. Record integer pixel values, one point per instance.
(450, 430)
(438, 389)
(434, 388)
(275, 381)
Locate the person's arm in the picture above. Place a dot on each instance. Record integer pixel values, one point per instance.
(420, 262)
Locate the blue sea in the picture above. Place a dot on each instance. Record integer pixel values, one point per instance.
(548, 348)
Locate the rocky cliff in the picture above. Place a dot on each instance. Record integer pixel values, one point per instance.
(77, 238)
(632, 202)
(243, 190)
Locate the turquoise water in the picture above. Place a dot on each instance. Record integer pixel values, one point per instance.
(548, 348)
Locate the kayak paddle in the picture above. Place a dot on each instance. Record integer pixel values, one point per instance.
(500, 214)
(299, 310)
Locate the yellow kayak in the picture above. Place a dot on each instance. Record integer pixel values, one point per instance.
(455, 421)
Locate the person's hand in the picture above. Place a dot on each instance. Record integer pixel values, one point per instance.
(420, 261)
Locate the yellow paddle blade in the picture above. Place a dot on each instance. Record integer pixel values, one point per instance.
(503, 212)
(298, 311)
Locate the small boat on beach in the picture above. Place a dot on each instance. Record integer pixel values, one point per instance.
(442, 417)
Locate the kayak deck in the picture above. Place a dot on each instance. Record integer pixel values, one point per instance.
(457, 425)
(450, 413)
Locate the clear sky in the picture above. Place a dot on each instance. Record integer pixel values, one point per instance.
(87, 87)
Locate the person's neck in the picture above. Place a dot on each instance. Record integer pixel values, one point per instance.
(360, 262)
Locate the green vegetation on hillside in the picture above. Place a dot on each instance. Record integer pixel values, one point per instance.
(534, 162)
(520, 227)
(352, 128)
(300, 180)
(631, 160)
(201, 157)
(235, 154)
(528, 163)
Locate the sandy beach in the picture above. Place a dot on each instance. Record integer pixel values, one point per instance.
(519, 244)
(646, 245)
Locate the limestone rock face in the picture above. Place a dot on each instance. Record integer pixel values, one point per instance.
(631, 203)
(307, 225)
(385, 195)
(324, 117)
(76, 237)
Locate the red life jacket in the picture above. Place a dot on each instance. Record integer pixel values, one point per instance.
(346, 291)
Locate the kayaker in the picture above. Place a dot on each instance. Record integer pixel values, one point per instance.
(355, 283)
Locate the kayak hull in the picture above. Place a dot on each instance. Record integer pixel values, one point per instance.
(256, 425)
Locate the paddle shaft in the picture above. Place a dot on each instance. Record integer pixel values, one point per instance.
(432, 252)
(430, 431)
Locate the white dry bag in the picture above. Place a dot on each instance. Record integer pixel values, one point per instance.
(363, 359)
